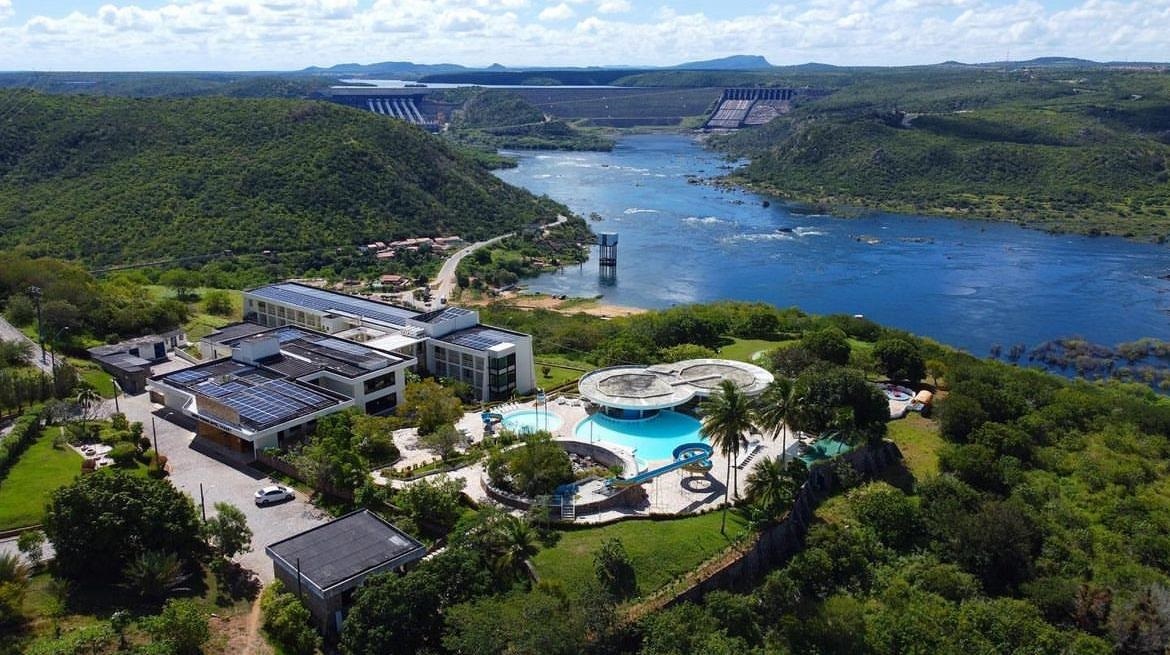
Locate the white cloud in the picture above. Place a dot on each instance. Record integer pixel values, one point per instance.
(558, 12)
(290, 34)
(613, 6)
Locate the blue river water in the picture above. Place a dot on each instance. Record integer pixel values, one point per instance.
(970, 284)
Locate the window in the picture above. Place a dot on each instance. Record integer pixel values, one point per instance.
(380, 382)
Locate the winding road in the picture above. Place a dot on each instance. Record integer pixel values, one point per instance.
(8, 332)
(444, 282)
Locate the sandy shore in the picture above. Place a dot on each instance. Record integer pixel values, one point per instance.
(590, 306)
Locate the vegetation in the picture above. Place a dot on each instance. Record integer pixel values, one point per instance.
(501, 119)
(112, 180)
(1057, 149)
(287, 621)
(122, 517)
(535, 468)
(527, 254)
(26, 488)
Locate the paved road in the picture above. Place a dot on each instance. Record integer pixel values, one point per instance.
(8, 332)
(444, 282)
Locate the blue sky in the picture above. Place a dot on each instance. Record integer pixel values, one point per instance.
(291, 34)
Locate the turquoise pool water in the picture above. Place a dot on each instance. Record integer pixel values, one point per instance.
(531, 420)
(824, 450)
(652, 439)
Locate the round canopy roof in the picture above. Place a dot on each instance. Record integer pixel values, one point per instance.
(663, 386)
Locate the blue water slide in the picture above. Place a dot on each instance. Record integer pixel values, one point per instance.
(696, 455)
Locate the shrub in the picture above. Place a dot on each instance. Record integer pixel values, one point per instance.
(25, 430)
(182, 626)
(615, 570)
(287, 622)
(123, 454)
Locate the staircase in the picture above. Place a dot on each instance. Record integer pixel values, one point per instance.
(568, 510)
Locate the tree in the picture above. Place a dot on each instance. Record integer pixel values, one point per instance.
(772, 485)
(935, 368)
(89, 400)
(516, 542)
(31, 545)
(120, 516)
(775, 407)
(888, 512)
(899, 359)
(288, 622)
(394, 614)
(16, 352)
(20, 310)
(537, 622)
(14, 578)
(539, 466)
(959, 416)
(180, 280)
(1142, 625)
(444, 441)
(614, 569)
(727, 416)
(430, 405)
(153, 574)
(829, 344)
(684, 351)
(227, 532)
(182, 626)
(435, 500)
(839, 400)
(218, 302)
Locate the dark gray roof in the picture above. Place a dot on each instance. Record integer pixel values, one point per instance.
(323, 300)
(442, 314)
(234, 331)
(346, 548)
(481, 337)
(123, 362)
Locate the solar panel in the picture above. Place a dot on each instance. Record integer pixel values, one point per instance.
(187, 377)
(297, 392)
(345, 347)
(220, 390)
(284, 335)
(479, 338)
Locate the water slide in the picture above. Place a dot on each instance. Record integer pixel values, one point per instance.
(691, 456)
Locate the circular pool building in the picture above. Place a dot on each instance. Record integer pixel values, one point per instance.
(640, 392)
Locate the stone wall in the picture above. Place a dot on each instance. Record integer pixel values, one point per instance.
(776, 545)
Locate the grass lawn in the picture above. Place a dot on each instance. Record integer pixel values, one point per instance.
(96, 377)
(743, 349)
(919, 440)
(201, 323)
(40, 470)
(558, 372)
(661, 550)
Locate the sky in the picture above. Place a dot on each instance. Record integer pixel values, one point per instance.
(292, 34)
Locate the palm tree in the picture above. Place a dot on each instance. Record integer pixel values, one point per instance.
(727, 415)
(516, 540)
(776, 409)
(770, 485)
(88, 398)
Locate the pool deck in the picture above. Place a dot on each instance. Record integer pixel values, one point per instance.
(676, 492)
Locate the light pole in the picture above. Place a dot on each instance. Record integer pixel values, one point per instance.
(36, 294)
(53, 354)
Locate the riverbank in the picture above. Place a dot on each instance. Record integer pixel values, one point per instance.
(562, 305)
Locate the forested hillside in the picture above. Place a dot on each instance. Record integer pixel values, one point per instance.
(1067, 150)
(117, 180)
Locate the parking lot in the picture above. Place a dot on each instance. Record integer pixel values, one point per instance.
(223, 481)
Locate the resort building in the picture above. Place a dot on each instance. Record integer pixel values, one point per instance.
(638, 392)
(129, 362)
(324, 565)
(447, 342)
(274, 384)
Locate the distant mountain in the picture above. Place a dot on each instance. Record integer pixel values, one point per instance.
(405, 69)
(732, 63)
(1052, 62)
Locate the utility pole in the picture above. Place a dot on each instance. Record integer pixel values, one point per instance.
(154, 432)
(36, 294)
(202, 504)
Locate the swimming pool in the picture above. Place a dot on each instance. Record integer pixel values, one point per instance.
(531, 420)
(652, 439)
(824, 449)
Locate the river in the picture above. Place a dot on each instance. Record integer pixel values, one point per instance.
(970, 284)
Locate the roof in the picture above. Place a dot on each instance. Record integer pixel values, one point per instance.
(338, 553)
(261, 397)
(442, 314)
(234, 331)
(481, 337)
(123, 362)
(323, 300)
(304, 351)
(663, 386)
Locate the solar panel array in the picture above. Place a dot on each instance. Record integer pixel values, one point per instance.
(188, 376)
(221, 390)
(263, 410)
(479, 338)
(297, 392)
(286, 334)
(325, 301)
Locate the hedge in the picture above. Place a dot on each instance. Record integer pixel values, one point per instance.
(25, 430)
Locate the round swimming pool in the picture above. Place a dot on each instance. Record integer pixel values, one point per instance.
(651, 439)
(531, 420)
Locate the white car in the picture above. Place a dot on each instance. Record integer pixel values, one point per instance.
(274, 494)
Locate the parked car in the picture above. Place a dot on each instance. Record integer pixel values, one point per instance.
(276, 493)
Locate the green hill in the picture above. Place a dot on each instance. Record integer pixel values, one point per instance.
(117, 180)
(1080, 151)
(500, 119)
